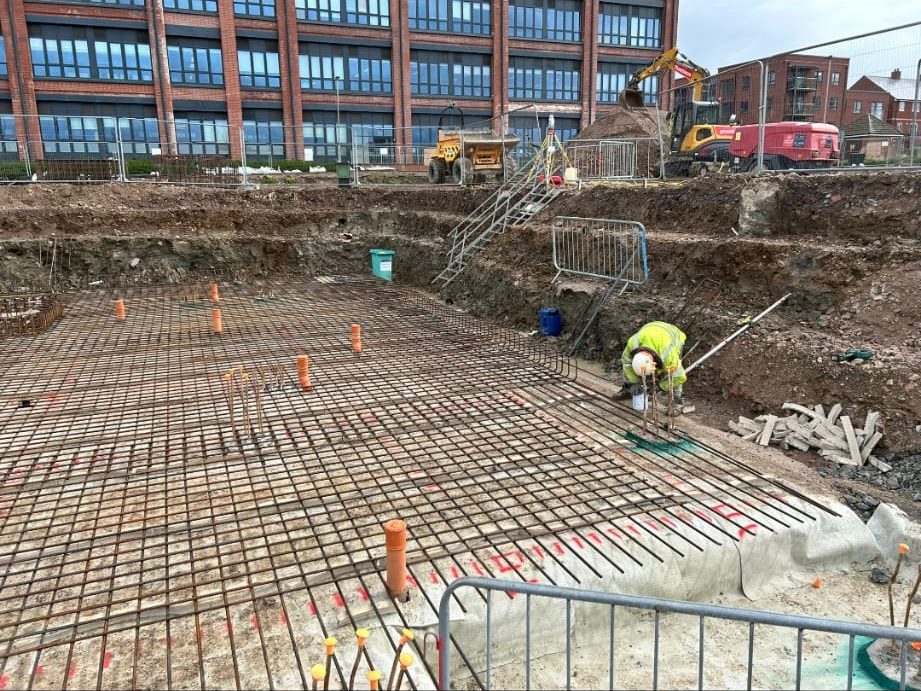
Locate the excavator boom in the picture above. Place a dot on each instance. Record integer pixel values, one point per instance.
(672, 59)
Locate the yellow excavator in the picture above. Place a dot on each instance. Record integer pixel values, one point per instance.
(697, 143)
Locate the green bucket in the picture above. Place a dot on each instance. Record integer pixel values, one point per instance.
(382, 263)
(344, 174)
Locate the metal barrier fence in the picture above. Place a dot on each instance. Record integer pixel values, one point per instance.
(603, 160)
(612, 604)
(53, 148)
(608, 249)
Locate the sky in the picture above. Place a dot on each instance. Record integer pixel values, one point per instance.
(715, 33)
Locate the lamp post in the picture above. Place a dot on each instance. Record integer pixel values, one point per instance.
(338, 153)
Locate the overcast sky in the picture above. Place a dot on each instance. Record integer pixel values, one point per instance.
(716, 33)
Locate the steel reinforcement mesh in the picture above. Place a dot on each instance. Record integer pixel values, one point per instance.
(145, 540)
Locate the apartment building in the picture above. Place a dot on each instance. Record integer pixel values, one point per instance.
(300, 78)
(799, 87)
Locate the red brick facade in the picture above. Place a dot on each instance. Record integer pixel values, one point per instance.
(800, 87)
(891, 99)
(25, 91)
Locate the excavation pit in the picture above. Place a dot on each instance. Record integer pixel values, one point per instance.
(148, 541)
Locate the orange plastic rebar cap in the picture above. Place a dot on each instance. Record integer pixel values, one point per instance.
(374, 675)
(318, 671)
(395, 531)
(406, 660)
(903, 548)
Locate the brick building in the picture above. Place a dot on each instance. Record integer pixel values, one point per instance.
(891, 99)
(192, 73)
(799, 87)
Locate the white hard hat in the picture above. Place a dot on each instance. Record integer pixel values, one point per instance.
(644, 364)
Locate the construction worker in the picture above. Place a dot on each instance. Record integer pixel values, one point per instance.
(655, 348)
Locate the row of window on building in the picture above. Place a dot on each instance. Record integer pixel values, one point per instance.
(69, 129)
(545, 20)
(79, 52)
(814, 106)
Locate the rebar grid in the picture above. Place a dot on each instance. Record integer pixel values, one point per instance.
(27, 315)
(146, 539)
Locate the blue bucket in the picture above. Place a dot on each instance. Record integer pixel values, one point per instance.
(551, 321)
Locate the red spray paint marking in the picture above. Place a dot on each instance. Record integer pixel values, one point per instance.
(4, 680)
(667, 521)
(538, 552)
(39, 672)
(363, 594)
(704, 515)
(201, 633)
(337, 598)
(730, 512)
(433, 577)
(749, 529)
(254, 620)
(283, 618)
(312, 608)
(652, 524)
(558, 548)
(616, 533)
(228, 627)
(578, 543)
(595, 537)
(633, 529)
(411, 581)
(508, 561)
(107, 660)
(72, 672)
(455, 574)
(476, 567)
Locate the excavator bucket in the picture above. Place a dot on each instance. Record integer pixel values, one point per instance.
(632, 99)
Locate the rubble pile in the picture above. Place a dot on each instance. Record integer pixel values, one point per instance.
(832, 434)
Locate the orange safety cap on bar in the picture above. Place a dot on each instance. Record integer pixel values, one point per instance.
(217, 324)
(215, 295)
(119, 309)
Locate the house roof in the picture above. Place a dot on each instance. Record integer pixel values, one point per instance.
(868, 126)
(901, 89)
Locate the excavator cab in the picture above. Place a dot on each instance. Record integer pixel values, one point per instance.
(691, 118)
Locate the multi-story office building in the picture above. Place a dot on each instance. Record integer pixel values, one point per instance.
(191, 73)
(799, 87)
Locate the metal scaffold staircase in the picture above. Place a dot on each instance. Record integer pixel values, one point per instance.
(516, 201)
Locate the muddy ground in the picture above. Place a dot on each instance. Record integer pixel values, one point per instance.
(848, 248)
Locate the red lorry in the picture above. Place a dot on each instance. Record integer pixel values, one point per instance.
(786, 145)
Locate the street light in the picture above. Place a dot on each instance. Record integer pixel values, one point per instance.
(338, 154)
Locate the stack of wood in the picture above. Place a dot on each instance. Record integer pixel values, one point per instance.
(832, 434)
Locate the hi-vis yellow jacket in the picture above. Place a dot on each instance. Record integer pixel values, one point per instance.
(666, 341)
